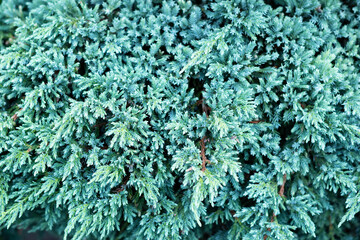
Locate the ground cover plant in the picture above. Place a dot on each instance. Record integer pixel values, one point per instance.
(140, 119)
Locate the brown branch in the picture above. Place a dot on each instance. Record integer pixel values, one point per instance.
(88, 148)
(331, 227)
(255, 121)
(129, 103)
(100, 124)
(319, 9)
(198, 102)
(236, 139)
(282, 188)
(232, 212)
(206, 109)
(269, 229)
(15, 116)
(189, 169)
(122, 185)
(104, 147)
(281, 193)
(203, 156)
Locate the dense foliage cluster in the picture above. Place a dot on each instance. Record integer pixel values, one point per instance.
(149, 119)
(10, 12)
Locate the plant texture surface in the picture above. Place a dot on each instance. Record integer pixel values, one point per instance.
(11, 11)
(149, 119)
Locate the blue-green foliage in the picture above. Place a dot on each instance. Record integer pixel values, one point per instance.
(11, 12)
(141, 119)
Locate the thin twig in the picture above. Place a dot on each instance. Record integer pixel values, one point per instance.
(206, 109)
(255, 121)
(281, 193)
(203, 156)
(15, 116)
